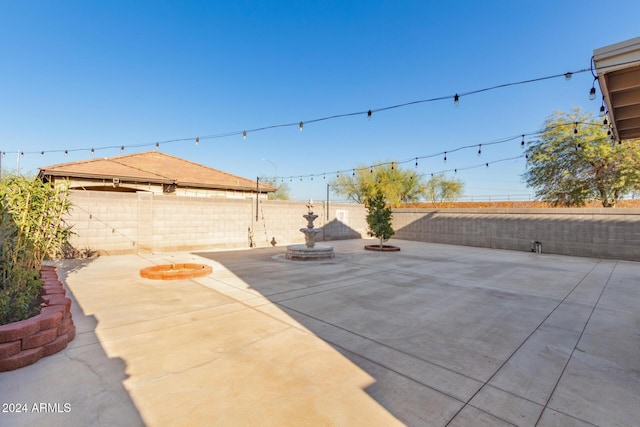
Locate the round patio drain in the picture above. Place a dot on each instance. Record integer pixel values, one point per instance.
(176, 271)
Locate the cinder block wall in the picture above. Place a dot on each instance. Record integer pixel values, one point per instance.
(600, 233)
(117, 223)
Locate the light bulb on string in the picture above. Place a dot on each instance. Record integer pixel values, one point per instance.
(391, 165)
(445, 157)
(487, 164)
(575, 129)
(602, 109)
(324, 176)
(22, 153)
(353, 173)
(41, 154)
(592, 91)
(479, 149)
(157, 146)
(92, 152)
(369, 115)
(416, 162)
(455, 171)
(456, 100)
(605, 122)
(522, 142)
(197, 140)
(244, 134)
(301, 125)
(122, 148)
(567, 76)
(66, 153)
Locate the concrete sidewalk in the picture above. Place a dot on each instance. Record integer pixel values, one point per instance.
(432, 335)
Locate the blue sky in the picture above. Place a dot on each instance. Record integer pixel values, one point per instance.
(77, 75)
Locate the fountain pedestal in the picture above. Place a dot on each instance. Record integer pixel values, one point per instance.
(309, 251)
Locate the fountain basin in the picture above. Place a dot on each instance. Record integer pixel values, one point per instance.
(176, 271)
(304, 253)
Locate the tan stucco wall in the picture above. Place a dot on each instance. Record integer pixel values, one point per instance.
(600, 233)
(116, 223)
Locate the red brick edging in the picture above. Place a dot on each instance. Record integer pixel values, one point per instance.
(27, 341)
(176, 271)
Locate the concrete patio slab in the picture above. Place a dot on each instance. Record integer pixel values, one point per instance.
(433, 335)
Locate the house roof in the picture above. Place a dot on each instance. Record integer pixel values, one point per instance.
(153, 167)
(618, 71)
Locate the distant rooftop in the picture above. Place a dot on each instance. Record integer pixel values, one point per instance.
(152, 167)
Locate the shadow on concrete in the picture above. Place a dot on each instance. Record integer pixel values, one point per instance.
(338, 230)
(81, 385)
(389, 389)
(464, 335)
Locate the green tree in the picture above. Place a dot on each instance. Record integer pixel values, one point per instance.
(379, 217)
(574, 161)
(440, 189)
(396, 184)
(283, 192)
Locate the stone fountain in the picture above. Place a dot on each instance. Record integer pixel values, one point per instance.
(309, 251)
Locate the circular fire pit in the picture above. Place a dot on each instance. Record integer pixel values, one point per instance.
(175, 271)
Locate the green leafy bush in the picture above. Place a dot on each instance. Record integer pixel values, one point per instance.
(32, 229)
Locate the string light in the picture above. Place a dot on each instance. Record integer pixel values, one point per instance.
(456, 99)
(122, 148)
(416, 162)
(197, 140)
(244, 134)
(445, 157)
(41, 153)
(592, 92)
(522, 142)
(479, 149)
(602, 109)
(575, 129)
(370, 112)
(66, 153)
(301, 125)
(567, 76)
(605, 122)
(92, 152)
(369, 115)
(157, 146)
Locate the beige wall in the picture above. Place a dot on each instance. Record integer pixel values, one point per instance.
(116, 223)
(600, 233)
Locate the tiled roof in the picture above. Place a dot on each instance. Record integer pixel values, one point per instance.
(153, 166)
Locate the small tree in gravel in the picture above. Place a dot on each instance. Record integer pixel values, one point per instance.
(379, 217)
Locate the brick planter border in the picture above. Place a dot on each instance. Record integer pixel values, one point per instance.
(27, 341)
(384, 248)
